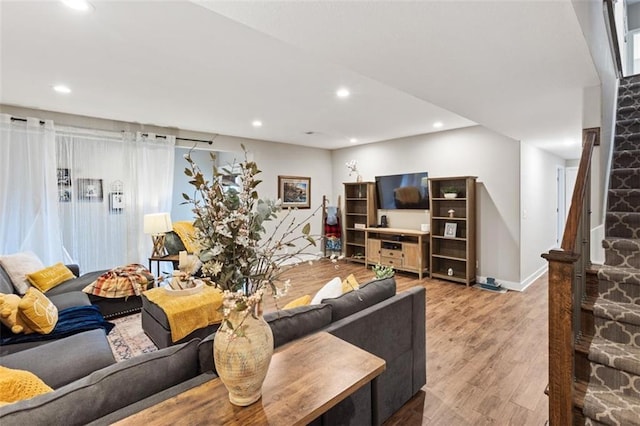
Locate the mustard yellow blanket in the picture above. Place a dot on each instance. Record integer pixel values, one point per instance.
(187, 234)
(188, 313)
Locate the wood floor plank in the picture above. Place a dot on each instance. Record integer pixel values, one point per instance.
(487, 353)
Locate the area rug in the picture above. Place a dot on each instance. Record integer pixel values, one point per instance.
(127, 339)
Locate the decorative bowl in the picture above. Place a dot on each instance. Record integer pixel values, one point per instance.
(450, 195)
(186, 291)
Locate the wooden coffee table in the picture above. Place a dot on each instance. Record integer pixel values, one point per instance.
(306, 378)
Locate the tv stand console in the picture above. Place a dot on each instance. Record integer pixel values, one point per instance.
(404, 249)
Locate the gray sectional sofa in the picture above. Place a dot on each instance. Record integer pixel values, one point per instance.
(110, 308)
(389, 325)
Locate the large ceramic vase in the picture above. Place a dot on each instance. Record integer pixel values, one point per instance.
(242, 361)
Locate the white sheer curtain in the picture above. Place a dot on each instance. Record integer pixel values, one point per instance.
(92, 234)
(151, 164)
(108, 164)
(28, 189)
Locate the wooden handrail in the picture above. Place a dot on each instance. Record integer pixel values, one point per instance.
(589, 140)
(613, 37)
(567, 267)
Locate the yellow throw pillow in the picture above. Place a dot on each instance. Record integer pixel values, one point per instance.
(38, 312)
(187, 233)
(300, 301)
(47, 278)
(16, 385)
(350, 283)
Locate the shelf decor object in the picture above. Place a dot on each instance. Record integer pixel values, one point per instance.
(453, 236)
(360, 212)
(450, 229)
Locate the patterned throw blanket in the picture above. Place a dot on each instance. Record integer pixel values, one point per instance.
(124, 281)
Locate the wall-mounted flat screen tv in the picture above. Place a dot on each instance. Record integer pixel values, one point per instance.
(405, 191)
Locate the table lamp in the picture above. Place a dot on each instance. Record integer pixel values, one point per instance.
(157, 224)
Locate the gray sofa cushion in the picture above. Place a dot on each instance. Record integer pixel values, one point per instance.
(205, 354)
(107, 390)
(291, 324)
(367, 295)
(5, 282)
(173, 243)
(69, 300)
(63, 361)
(62, 301)
(152, 400)
(76, 284)
(398, 316)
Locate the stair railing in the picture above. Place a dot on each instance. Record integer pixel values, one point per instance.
(613, 37)
(567, 288)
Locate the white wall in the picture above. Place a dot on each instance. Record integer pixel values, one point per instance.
(473, 151)
(181, 183)
(538, 195)
(591, 19)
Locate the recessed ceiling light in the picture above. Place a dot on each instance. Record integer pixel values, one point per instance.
(437, 124)
(81, 5)
(61, 88)
(343, 93)
(256, 123)
(353, 140)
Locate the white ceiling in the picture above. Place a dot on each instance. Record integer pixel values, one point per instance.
(517, 67)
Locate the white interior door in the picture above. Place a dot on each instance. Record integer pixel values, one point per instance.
(561, 215)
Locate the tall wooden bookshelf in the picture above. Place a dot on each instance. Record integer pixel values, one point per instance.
(453, 253)
(360, 212)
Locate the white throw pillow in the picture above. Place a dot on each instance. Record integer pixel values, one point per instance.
(330, 290)
(18, 265)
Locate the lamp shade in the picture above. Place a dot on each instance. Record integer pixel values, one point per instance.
(157, 223)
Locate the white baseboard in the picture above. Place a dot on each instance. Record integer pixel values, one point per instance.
(518, 286)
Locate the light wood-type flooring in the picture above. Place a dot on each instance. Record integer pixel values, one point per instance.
(487, 353)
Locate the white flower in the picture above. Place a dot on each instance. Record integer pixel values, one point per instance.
(352, 165)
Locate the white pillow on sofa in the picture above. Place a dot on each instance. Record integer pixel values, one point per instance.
(330, 290)
(18, 265)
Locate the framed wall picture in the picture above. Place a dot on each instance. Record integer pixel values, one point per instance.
(90, 190)
(450, 229)
(64, 177)
(294, 191)
(64, 194)
(116, 202)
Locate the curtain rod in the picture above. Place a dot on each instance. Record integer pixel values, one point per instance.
(210, 142)
(24, 120)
